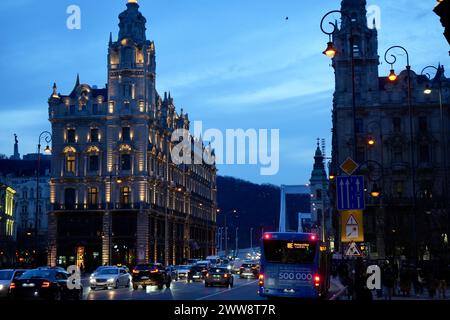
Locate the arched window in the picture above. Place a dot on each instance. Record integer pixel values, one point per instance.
(70, 157)
(93, 158)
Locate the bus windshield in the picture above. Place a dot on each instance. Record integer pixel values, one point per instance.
(289, 252)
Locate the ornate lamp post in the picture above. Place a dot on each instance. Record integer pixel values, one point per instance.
(47, 136)
(331, 52)
(392, 59)
(428, 90)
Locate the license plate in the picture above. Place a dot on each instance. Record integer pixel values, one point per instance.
(216, 276)
(28, 285)
(144, 278)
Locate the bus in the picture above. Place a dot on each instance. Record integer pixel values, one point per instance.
(295, 265)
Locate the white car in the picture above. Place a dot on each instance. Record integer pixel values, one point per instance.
(6, 277)
(110, 277)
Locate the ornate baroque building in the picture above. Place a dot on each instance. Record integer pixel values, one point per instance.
(410, 217)
(117, 196)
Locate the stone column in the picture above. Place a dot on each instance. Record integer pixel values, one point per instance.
(52, 243)
(142, 244)
(106, 237)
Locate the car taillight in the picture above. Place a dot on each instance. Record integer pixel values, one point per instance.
(242, 268)
(135, 271)
(13, 285)
(45, 284)
(261, 280)
(207, 275)
(316, 280)
(225, 275)
(154, 271)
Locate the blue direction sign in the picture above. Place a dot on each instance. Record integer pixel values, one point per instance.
(350, 193)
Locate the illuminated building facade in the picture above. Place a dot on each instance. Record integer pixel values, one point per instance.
(114, 184)
(7, 226)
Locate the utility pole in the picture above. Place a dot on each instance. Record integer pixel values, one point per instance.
(251, 239)
(237, 242)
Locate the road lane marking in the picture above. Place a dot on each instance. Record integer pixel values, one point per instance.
(225, 291)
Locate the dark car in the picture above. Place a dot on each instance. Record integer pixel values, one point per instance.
(44, 284)
(249, 270)
(198, 273)
(152, 274)
(219, 276)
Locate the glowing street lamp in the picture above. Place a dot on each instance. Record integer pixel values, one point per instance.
(392, 76)
(330, 51)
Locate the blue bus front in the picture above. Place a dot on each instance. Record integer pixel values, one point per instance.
(290, 266)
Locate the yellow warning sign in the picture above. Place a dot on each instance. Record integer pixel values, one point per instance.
(352, 228)
(349, 166)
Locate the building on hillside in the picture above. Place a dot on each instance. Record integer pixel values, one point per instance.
(7, 226)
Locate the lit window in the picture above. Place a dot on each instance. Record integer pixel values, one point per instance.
(125, 195)
(92, 196)
(70, 163)
(111, 107)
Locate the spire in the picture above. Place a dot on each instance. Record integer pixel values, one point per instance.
(110, 38)
(55, 91)
(132, 23)
(77, 83)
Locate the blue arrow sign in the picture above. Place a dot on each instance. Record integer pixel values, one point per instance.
(350, 193)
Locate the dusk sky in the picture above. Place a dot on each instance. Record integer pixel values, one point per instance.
(230, 63)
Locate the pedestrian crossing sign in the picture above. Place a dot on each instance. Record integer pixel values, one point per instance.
(352, 229)
(353, 250)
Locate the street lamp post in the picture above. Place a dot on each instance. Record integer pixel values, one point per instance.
(47, 136)
(331, 52)
(234, 211)
(251, 239)
(392, 59)
(428, 90)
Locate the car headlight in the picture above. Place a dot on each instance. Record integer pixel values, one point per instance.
(1, 287)
(229, 267)
(92, 280)
(111, 280)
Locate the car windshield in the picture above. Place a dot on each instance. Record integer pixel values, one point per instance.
(289, 252)
(109, 271)
(37, 274)
(184, 267)
(6, 275)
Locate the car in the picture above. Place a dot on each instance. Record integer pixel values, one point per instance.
(248, 270)
(219, 276)
(152, 274)
(184, 272)
(6, 277)
(44, 284)
(198, 273)
(109, 277)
